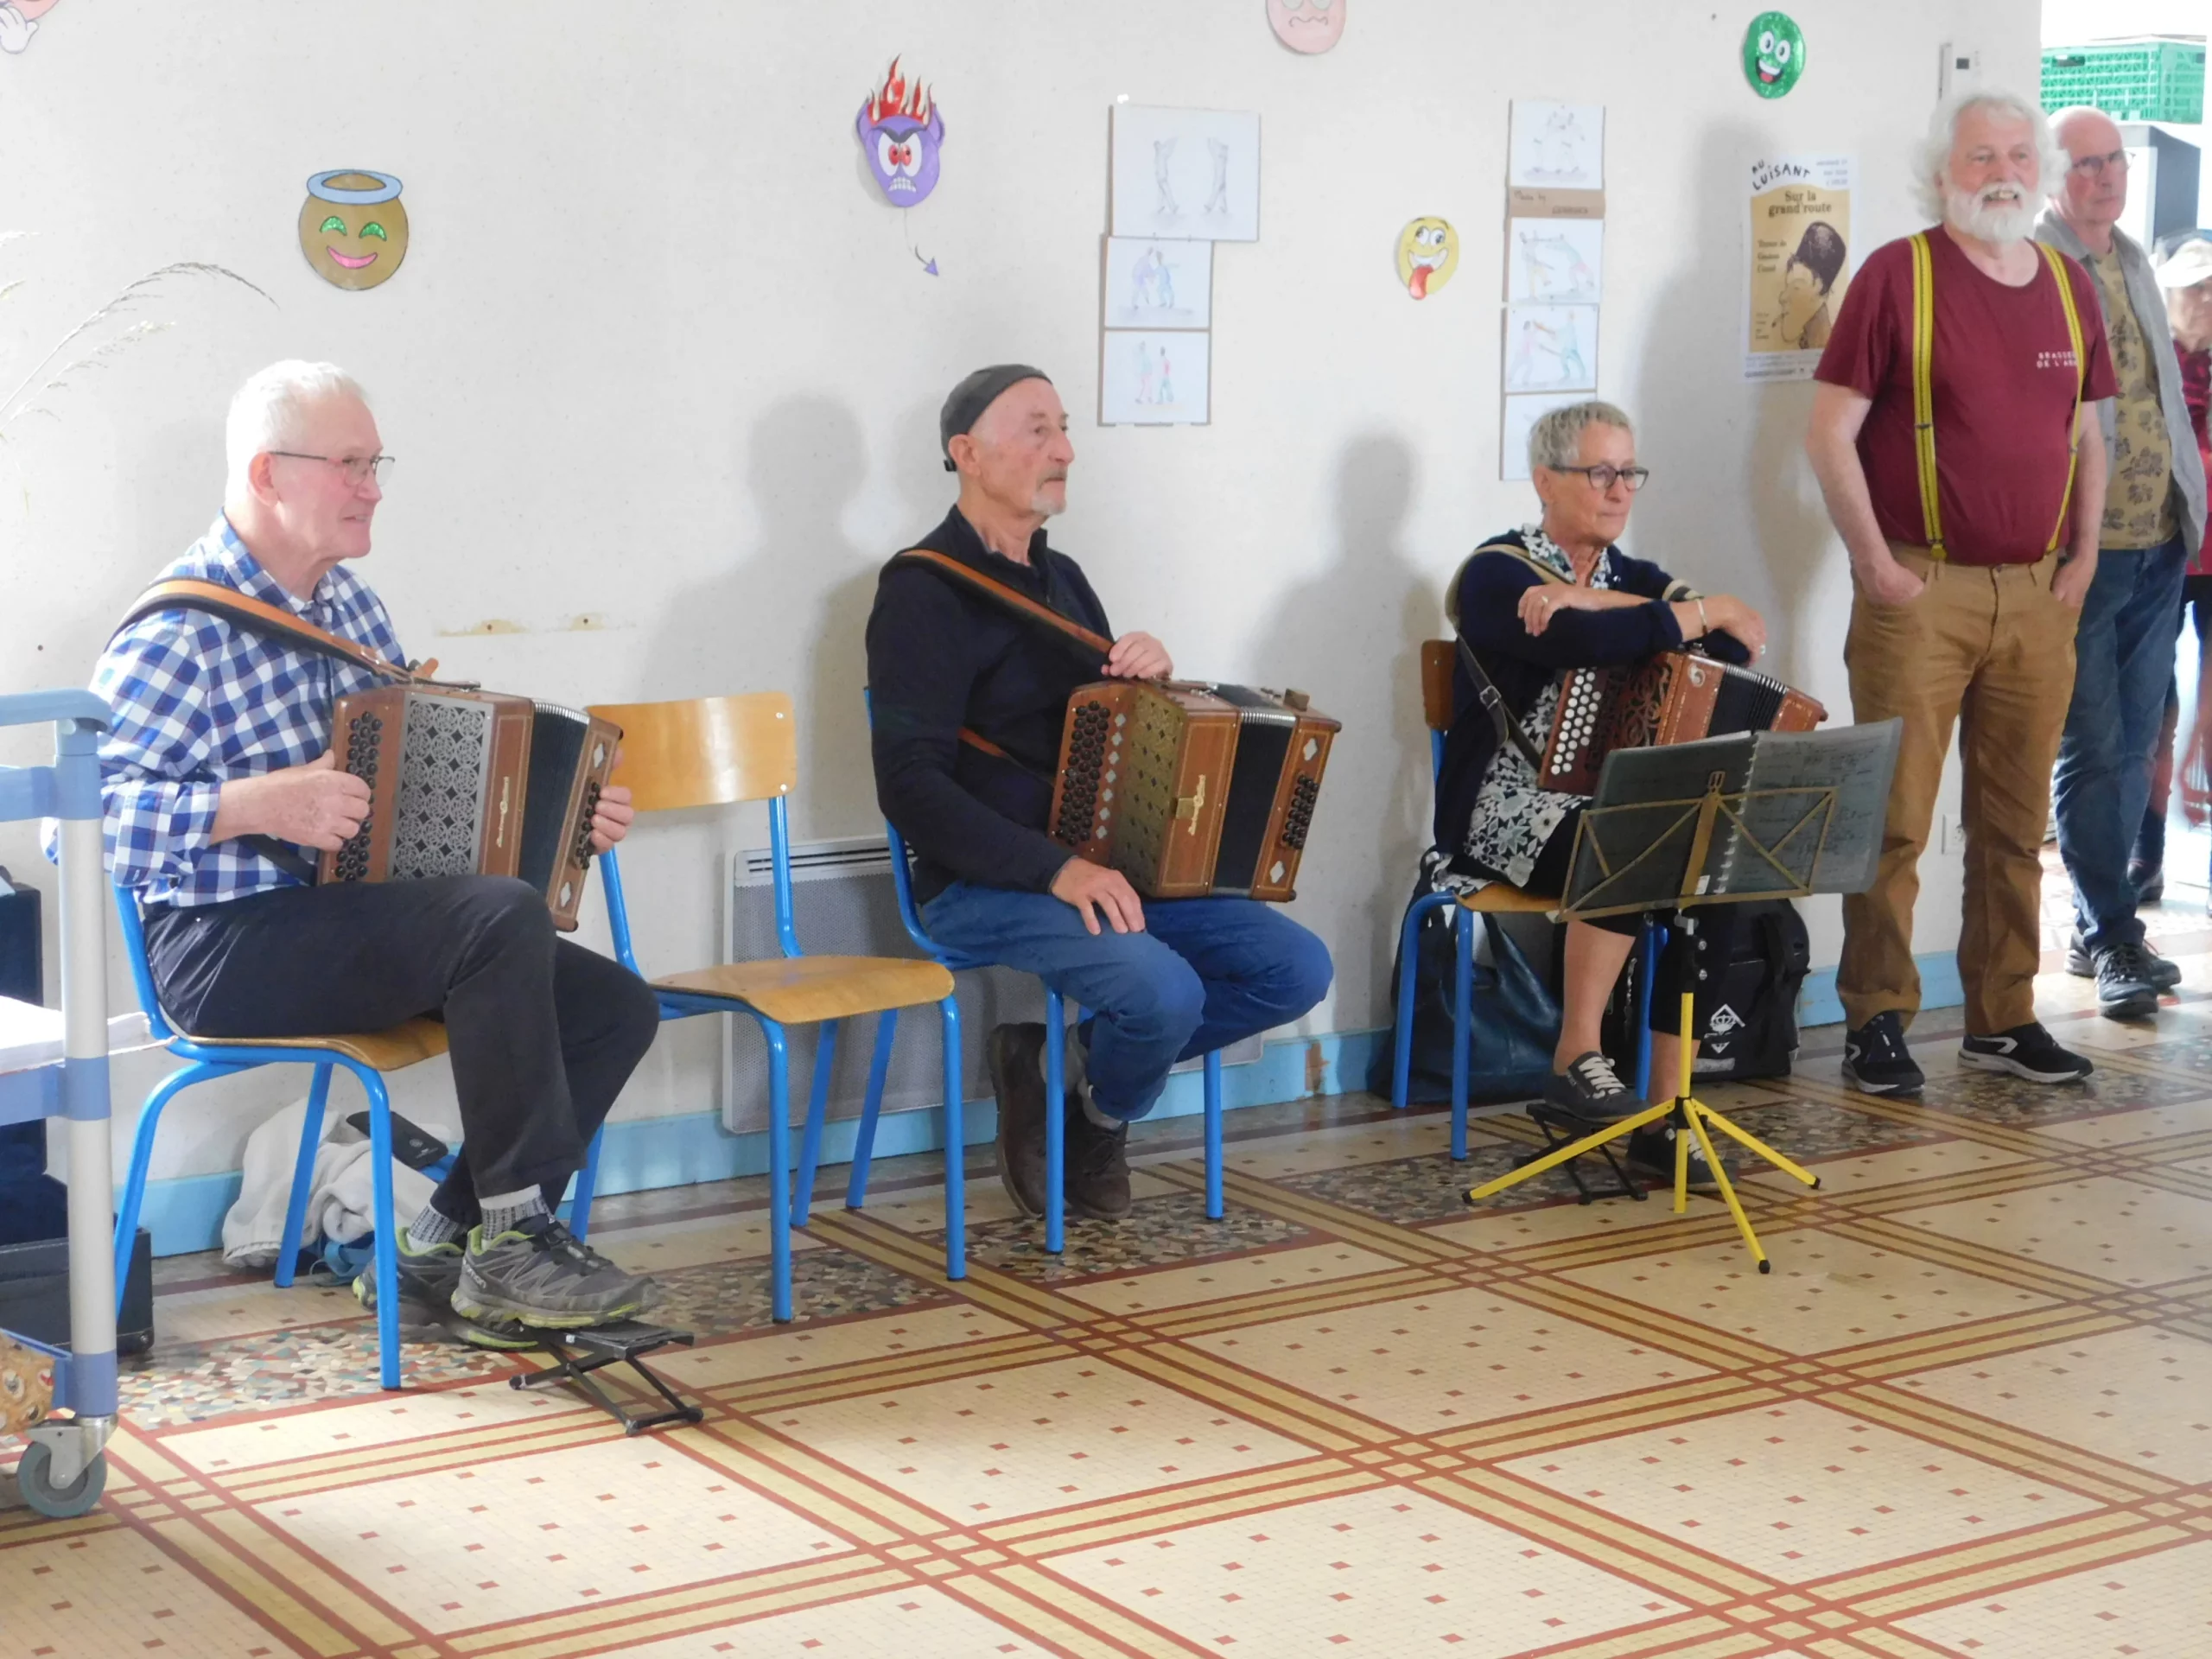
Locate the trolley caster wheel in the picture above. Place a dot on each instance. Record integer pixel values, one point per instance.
(59, 1502)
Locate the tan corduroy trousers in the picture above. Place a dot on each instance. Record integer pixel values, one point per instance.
(1990, 651)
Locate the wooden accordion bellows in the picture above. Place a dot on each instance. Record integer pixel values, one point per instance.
(1674, 696)
(472, 782)
(1189, 788)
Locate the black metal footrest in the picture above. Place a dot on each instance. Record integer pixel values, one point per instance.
(1563, 1128)
(577, 1354)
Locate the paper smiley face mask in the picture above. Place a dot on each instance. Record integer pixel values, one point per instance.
(353, 227)
(1307, 25)
(1428, 252)
(1774, 54)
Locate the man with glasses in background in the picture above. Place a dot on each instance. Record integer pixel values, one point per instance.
(219, 787)
(2153, 519)
(1967, 482)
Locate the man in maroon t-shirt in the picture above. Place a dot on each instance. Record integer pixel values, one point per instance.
(1965, 594)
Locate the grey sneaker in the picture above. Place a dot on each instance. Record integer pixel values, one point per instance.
(1590, 1088)
(2162, 971)
(538, 1273)
(428, 1279)
(2126, 988)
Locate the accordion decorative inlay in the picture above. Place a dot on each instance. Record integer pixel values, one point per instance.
(1189, 788)
(472, 782)
(1671, 697)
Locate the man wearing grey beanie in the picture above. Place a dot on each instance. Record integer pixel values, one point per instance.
(1159, 981)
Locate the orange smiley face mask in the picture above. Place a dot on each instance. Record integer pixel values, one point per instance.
(353, 227)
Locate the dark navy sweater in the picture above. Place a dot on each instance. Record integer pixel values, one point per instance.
(1520, 665)
(940, 657)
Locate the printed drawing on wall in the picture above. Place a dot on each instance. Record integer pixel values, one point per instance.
(1797, 262)
(1152, 282)
(1557, 146)
(1428, 254)
(353, 227)
(1554, 261)
(902, 132)
(1148, 378)
(1186, 173)
(1551, 348)
(1307, 26)
(19, 21)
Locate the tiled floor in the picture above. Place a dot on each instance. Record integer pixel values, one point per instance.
(1968, 1414)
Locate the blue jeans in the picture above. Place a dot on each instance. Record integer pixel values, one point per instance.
(2123, 658)
(1204, 974)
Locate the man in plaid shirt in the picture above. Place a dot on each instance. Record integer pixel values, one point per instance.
(220, 788)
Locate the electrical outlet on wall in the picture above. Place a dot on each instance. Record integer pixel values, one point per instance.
(1950, 830)
(1959, 68)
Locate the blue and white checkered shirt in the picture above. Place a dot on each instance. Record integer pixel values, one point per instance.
(198, 701)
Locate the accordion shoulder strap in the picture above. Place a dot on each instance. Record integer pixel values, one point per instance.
(184, 593)
(1019, 604)
(1487, 692)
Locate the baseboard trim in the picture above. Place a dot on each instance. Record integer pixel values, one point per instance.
(1939, 988)
(185, 1213)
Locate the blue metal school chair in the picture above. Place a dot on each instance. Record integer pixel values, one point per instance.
(367, 1055)
(719, 752)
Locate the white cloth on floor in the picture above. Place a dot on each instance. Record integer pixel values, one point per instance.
(340, 1192)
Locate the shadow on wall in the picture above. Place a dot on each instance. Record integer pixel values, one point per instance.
(1750, 456)
(1352, 636)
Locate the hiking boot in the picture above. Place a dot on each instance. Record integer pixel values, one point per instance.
(1590, 1088)
(2161, 971)
(1097, 1174)
(2127, 987)
(428, 1279)
(1876, 1060)
(2027, 1052)
(538, 1273)
(1652, 1148)
(1016, 1056)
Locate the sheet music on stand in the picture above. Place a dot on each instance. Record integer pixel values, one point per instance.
(1757, 815)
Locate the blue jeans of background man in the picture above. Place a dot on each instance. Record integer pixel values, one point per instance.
(2123, 657)
(1204, 974)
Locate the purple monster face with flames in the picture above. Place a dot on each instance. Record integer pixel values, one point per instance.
(902, 132)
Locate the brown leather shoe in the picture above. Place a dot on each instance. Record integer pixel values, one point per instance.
(1016, 1056)
(1097, 1168)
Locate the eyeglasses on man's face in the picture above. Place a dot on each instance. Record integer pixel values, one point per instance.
(2093, 166)
(357, 469)
(1602, 476)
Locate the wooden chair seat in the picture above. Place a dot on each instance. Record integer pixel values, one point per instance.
(402, 1045)
(1499, 899)
(805, 990)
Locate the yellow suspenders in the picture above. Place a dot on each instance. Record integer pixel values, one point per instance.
(1923, 387)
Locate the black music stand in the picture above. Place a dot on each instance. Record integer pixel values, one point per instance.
(1768, 815)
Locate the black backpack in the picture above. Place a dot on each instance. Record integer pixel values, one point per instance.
(1751, 1025)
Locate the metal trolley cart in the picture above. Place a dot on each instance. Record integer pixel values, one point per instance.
(64, 1467)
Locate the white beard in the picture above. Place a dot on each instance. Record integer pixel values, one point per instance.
(2001, 221)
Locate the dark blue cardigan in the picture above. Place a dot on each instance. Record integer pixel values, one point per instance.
(1489, 594)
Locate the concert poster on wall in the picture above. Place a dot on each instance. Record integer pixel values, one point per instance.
(1797, 260)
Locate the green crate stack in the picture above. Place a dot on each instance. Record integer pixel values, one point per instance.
(2138, 80)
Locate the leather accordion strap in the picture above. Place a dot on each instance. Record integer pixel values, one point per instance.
(1019, 604)
(184, 593)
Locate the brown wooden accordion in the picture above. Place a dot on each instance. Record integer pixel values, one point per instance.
(1189, 788)
(1672, 697)
(472, 782)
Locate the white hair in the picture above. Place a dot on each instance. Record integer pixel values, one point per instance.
(1555, 440)
(1934, 156)
(270, 408)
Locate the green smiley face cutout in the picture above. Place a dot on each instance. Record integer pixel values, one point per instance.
(1774, 54)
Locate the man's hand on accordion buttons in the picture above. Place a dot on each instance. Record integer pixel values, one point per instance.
(1138, 657)
(611, 818)
(312, 806)
(1095, 891)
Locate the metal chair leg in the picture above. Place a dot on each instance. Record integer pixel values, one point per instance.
(1409, 938)
(295, 1206)
(141, 1158)
(386, 1265)
(1056, 1128)
(779, 1171)
(1213, 1134)
(817, 1110)
(1463, 987)
(887, 1028)
(956, 1148)
(587, 1185)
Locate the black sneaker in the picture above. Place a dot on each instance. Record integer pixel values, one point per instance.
(2127, 986)
(1016, 1055)
(2027, 1052)
(2162, 971)
(538, 1273)
(1652, 1148)
(1876, 1060)
(1590, 1088)
(428, 1279)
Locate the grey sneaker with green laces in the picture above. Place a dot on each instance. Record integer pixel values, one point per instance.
(427, 1281)
(538, 1273)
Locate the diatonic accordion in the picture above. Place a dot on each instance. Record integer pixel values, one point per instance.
(1674, 696)
(1191, 788)
(472, 782)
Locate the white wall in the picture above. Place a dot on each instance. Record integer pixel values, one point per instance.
(657, 355)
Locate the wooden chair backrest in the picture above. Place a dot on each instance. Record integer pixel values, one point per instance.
(706, 751)
(1436, 664)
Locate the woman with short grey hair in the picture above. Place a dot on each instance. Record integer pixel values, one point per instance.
(1532, 606)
